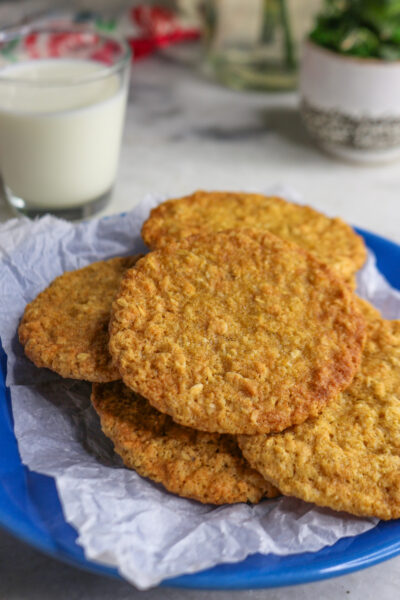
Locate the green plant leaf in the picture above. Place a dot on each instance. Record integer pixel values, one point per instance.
(389, 52)
(365, 28)
(360, 41)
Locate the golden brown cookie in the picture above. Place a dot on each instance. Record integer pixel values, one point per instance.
(66, 327)
(235, 332)
(202, 466)
(348, 458)
(331, 240)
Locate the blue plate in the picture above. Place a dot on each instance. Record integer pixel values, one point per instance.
(31, 510)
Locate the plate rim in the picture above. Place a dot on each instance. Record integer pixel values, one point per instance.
(223, 576)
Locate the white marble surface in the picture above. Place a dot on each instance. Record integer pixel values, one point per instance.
(183, 133)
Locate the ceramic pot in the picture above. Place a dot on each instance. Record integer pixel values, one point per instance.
(351, 106)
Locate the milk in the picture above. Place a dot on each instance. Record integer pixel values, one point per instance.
(59, 141)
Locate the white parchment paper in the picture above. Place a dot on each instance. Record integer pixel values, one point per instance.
(122, 519)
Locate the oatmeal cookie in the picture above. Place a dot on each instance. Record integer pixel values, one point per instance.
(331, 240)
(66, 327)
(235, 332)
(202, 466)
(348, 458)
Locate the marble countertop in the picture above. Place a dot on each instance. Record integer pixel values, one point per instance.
(183, 133)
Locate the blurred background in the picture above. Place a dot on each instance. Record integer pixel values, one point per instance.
(235, 94)
(252, 44)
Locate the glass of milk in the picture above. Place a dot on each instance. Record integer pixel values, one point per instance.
(62, 103)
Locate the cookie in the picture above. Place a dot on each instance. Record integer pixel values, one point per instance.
(235, 332)
(202, 466)
(348, 458)
(331, 240)
(66, 327)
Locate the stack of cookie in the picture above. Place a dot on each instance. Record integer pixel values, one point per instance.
(234, 360)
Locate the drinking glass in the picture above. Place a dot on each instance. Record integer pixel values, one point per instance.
(63, 95)
(254, 44)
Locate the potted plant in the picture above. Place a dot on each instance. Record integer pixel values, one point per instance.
(350, 79)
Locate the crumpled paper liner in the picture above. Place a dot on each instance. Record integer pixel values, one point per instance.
(122, 519)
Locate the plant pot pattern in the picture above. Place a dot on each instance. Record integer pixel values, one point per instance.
(330, 126)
